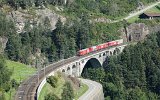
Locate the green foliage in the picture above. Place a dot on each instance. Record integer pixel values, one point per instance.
(6, 26)
(136, 94)
(2, 97)
(68, 93)
(132, 75)
(13, 48)
(14, 84)
(112, 8)
(4, 75)
(52, 80)
(94, 74)
(51, 96)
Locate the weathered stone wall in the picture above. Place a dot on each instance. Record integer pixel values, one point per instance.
(3, 42)
(135, 32)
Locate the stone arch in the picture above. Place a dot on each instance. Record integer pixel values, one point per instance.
(116, 51)
(104, 54)
(110, 53)
(94, 62)
(68, 70)
(107, 53)
(99, 55)
(63, 70)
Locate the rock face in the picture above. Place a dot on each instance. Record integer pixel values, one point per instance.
(53, 17)
(35, 17)
(3, 42)
(135, 32)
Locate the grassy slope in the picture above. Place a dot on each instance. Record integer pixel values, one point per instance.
(155, 9)
(48, 89)
(81, 91)
(20, 72)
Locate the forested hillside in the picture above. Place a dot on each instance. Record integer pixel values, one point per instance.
(63, 42)
(38, 41)
(111, 8)
(132, 75)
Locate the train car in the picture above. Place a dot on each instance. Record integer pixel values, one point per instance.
(94, 48)
(105, 45)
(82, 52)
(116, 42)
(99, 47)
(111, 43)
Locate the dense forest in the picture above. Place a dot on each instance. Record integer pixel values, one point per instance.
(5, 83)
(132, 75)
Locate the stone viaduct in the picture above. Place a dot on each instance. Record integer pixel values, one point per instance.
(30, 89)
(96, 59)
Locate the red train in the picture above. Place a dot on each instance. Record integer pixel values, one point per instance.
(99, 47)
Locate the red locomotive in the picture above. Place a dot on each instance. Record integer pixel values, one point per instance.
(99, 47)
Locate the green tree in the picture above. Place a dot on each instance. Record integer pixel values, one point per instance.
(4, 74)
(67, 93)
(51, 96)
(13, 48)
(52, 80)
(136, 94)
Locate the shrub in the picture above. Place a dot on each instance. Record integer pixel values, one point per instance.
(52, 80)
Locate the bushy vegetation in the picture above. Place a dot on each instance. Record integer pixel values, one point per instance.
(67, 88)
(132, 75)
(68, 93)
(51, 96)
(5, 74)
(111, 8)
(52, 80)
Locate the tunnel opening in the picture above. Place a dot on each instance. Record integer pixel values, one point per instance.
(89, 67)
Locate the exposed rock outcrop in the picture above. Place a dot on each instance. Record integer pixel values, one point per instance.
(3, 42)
(135, 32)
(34, 17)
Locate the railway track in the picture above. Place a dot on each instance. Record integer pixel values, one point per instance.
(27, 89)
